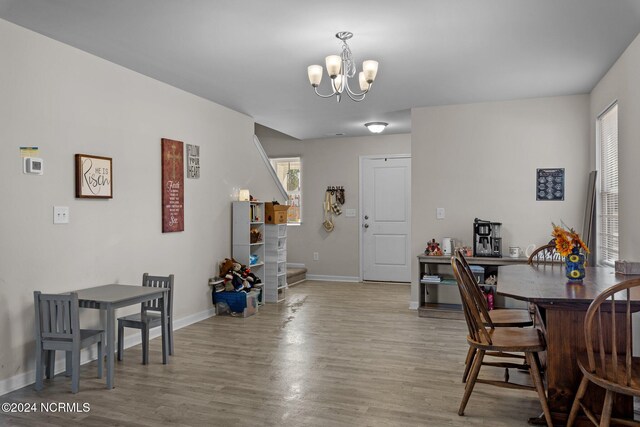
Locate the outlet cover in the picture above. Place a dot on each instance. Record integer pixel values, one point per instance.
(61, 214)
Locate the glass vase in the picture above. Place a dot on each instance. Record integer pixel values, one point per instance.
(575, 266)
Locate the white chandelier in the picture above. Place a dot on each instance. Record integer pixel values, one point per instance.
(340, 69)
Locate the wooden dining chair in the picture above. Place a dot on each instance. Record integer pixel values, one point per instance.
(149, 316)
(57, 327)
(490, 339)
(546, 255)
(609, 362)
(498, 318)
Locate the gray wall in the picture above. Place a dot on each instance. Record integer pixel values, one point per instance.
(480, 160)
(66, 101)
(327, 162)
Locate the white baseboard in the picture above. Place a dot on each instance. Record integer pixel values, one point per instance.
(296, 265)
(89, 354)
(413, 305)
(324, 278)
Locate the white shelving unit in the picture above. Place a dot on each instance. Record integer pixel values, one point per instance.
(276, 262)
(248, 216)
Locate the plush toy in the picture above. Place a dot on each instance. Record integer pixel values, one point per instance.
(250, 277)
(239, 283)
(226, 266)
(255, 236)
(433, 248)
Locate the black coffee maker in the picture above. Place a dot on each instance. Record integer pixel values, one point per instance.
(486, 238)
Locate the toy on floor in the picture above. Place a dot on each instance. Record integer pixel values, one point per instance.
(237, 277)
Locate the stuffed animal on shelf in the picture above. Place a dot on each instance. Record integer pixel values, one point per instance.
(433, 248)
(255, 236)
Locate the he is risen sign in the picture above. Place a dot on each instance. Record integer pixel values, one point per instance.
(94, 177)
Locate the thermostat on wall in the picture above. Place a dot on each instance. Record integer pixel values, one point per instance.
(33, 165)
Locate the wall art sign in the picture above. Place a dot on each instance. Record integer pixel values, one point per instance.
(94, 177)
(550, 184)
(172, 186)
(193, 161)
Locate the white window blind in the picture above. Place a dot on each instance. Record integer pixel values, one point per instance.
(607, 241)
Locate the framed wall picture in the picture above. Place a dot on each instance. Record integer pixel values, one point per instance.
(172, 186)
(94, 177)
(550, 184)
(193, 161)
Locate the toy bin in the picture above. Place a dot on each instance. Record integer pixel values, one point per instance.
(239, 302)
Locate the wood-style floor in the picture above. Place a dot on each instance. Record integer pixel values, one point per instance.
(333, 354)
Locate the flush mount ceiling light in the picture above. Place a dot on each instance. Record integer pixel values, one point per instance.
(340, 69)
(376, 127)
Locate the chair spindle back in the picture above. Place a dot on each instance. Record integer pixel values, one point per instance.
(56, 316)
(545, 255)
(474, 288)
(158, 282)
(471, 305)
(615, 301)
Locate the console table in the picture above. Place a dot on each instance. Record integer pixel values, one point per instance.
(441, 265)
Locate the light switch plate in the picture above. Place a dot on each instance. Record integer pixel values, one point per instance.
(439, 213)
(350, 213)
(61, 214)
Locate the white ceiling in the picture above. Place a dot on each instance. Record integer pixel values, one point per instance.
(252, 55)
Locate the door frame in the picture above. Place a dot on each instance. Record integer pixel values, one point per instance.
(360, 194)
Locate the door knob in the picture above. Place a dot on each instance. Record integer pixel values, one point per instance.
(366, 226)
(366, 217)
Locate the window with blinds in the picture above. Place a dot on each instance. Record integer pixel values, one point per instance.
(607, 237)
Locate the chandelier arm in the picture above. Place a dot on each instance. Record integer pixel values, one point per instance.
(355, 98)
(356, 93)
(315, 88)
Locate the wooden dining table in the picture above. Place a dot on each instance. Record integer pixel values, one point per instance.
(111, 297)
(563, 306)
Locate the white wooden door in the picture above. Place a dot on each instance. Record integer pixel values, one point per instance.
(385, 219)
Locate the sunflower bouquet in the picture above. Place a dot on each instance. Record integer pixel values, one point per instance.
(567, 240)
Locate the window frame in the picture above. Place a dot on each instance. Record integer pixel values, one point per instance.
(274, 161)
(599, 163)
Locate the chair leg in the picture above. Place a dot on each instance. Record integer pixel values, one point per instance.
(170, 335)
(51, 364)
(120, 339)
(100, 357)
(40, 361)
(605, 418)
(468, 363)
(576, 401)
(471, 382)
(145, 344)
(75, 370)
(539, 385)
(67, 361)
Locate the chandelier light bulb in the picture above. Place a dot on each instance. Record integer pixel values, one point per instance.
(315, 74)
(364, 84)
(370, 69)
(333, 65)
(338, 84)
